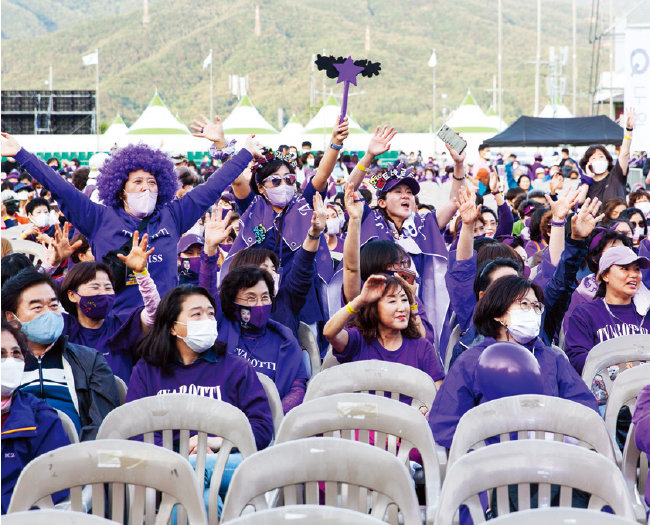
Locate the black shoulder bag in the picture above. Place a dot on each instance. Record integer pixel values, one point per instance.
(121, 274)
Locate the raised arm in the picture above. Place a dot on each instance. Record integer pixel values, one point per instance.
(327, 163)
(560, 208)
(624, 154)
(469, 212)
(354, 205)
(445, 213)
(379, 143)
(215, 230)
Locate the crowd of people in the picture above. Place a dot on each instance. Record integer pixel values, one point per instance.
(178, 278)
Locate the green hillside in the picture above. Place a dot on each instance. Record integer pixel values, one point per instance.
(168, 54)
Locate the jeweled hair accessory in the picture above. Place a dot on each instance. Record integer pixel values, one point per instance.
(379, 180)
(290, 157)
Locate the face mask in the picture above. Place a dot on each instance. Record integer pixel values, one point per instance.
(201, 335)
(42, 220)
(428, 176)
(96, 306)
(280, 196)
(225, 247)
(44, 329)
(253, 316)
(636, 235)
(644, 207)
(142, 203)
(333, 226)
(310, 163)
(524, 326)
(599, 166)
(12, 374)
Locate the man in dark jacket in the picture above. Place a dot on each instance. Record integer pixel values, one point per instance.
(72, 378)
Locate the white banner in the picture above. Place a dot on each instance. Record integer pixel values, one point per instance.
(637, 83)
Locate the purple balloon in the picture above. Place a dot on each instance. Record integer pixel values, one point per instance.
(508, 369)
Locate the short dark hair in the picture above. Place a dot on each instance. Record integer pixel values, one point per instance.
(82, 249)
(80, 177)
(79, 274)
(483, 146)
(376, 256)
(602, 238)
(24, 279)
(255, 257)
(239, 279)
(58, 163)
(35, 203)
(633, 196)
(12, 263)
(628, 213)
(306, 143)
(491, 212)
(496, 250)
(367, 320)
(498, 298)
(512, 193)
(158, 347)
(485, 270)
(565, 150)
(591, 150)
(18, 335)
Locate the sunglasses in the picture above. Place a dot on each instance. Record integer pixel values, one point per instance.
(640, 224)
(276, 180)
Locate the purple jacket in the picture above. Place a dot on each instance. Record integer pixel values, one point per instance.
(460, 392)
(108, 228)
(506, 220)
(641, 420)
(225, 377)
(460, 279)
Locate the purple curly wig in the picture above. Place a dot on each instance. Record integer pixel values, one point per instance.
(115, 172)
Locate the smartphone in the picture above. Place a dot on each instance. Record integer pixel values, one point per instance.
(450, 137)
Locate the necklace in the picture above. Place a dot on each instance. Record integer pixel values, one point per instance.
(615, 318)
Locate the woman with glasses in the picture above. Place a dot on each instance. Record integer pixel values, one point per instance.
(636, 220)
(510, 310)
(618, 309)
(245, 326)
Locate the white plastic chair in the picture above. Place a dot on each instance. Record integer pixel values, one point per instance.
(530, 416)
(561, 516)
(345, 467)
(121, 389)
(68, 426)
(277, 412)
(309, 344)
(626, 349)
(453, 339)
(53, 517)
(635, 472)
(15, 232)
(29, 248)
(306, 515)
(374, 375)
(184, 413)
(118, 463)
(329, 360)
(531, 461)
(624, 392)
(398, 428)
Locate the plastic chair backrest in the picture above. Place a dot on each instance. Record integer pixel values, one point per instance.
(374, 375)
(635, 470)
(561, 516)
(308, 343)
(329, 360)
(530, 416)
(182, 413)
(117, 462)
(15, 232)
(531, 461)
(274, 400)
(306, 515)
(53, 517)
(391, 425)
(68, 426)
(121, 389)
(453, 339)
(29, 248)
(626, 349)
(347, 469)
(624, 393)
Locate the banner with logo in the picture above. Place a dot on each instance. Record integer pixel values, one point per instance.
(637, 82)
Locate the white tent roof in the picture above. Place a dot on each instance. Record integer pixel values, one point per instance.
(117, 128)
(493, 118)
(245, 120)
(293, 132)
(324, 120)
(157, 120)
(469, 117)
(555, 111)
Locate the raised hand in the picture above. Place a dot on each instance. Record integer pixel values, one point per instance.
(562, 206)
(557, 180)
(216, 229)
(253, 146)
(340, 132)
(60, 248)
(584, 222)
(136, 260)
(458, 159)
(466, 204)
(354, 202)
(8, 145)
(494, 183)
(380, 141)
(630, 118)
(319, 217)
(372, 289)
(212, 131)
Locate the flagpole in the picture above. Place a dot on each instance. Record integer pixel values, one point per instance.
(97, 97)
(211, 99)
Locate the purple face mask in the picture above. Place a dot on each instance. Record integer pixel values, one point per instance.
(225, 247)
(253, 316)
(96, 306)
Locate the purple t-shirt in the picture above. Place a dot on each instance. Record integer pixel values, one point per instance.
(225, 377)
(418, 353)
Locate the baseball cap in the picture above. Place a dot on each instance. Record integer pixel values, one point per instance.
(621, 256)
(188, 240)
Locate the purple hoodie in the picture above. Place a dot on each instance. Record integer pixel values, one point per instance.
(595, 322)
(225, 377)
(641, 420)
(108, 228)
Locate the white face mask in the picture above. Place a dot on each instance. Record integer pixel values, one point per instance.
(333, 226)
(12, 374)
(310, 162)
(280, 196)
(276, 283)
(636, 235)
(599, 166)
(644, 207)
(524, 326)
(42, 220)
(201, 335)
(142, 203)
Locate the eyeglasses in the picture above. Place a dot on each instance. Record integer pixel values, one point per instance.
(253, 300)
(276, 180)
(526, 305)
(640, 224)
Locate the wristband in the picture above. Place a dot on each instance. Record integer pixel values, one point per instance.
(558, 224)
(496, 192)
(629, 129)
(627, 137)
(414, 307)
(313, 237)
(336, 146)
(457, 178)
(350, 309)
(360, 167)
(141, 274)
